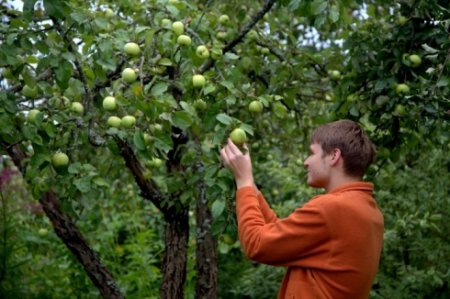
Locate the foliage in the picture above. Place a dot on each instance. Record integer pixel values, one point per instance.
(307, 62)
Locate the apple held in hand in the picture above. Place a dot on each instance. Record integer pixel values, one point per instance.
(198, 80)
(132, 49)
(238, 136)
(60, 159)
(129, 75)
(109, 103)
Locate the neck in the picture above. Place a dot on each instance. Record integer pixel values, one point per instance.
(339, 180)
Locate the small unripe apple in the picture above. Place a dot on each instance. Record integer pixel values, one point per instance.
(238, 136)
(415, 60)
(202, 52)
(43, 232)
(127, 121)
(255, 106)
(198, 80)
(109, 103)
(60, 159)
(400, 110)
(222, 35)
(157, 162)
(109, 13)
(402, 20)
(224, 19)
(114, 121)
(216, 53)
(252, 35)
(184, 40)
(77, 107)
(62, 102)
(29, 92)
(200, 104)
(129, 75)
(166, 22)
(335, 75)
(402, 88)
(178, 27)
(32, 114)
(132, 49)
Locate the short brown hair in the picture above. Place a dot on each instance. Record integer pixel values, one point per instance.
(357, 151)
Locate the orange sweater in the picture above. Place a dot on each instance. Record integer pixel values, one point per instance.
(331, 246)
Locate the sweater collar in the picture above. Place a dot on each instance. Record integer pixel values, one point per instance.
(354, 186)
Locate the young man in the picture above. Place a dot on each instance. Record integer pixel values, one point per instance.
(332, 245)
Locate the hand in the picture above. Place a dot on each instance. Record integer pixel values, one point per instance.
(240, 164)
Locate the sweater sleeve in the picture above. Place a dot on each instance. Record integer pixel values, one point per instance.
(268, 214)
(284, 242)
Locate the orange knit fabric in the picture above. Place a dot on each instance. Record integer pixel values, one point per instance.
(331, 246)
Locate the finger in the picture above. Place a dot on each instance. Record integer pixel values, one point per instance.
(233, 148)
(224, 156)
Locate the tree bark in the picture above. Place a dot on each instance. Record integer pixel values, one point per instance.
(206, 250)
(175, 253)
(72, 238)
(68, 232)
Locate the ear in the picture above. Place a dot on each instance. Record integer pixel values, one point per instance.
(335, 157)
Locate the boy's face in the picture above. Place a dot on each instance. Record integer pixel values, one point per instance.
(317, 166)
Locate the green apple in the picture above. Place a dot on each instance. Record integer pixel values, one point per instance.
(114, 121)
(178, 27)
(222, 35)
(202, 51)
(216, 53)
(132, 49)
(400, 110)
(29, 92)
(166, 23)
(224, 19)
(109, 13)
(62, 102)
(32, 114)
(255, 106)
(335, 75)
(415, 60)
(147, 138)
(127, 121)
(60, 159)
(252, 35)
(77, 107)
(402, 20)
(109, 103)
(200, 104)
(265, 50)
(402, 88)
(43, 232)
(198, 80)
(184, 40)
(238, 136)
(129, 75)
(157, 162)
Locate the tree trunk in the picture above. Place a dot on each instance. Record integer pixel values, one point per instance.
(175, 253)
(206, 250)
(72, 238)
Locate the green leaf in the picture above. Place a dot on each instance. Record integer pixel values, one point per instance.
(318, 6)
(217, 208)
(158, 89)
(223, 118)
(56, 8)
(99, 181)
(83, 184)
(181, 119)
(334, 13)
(138, 140)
